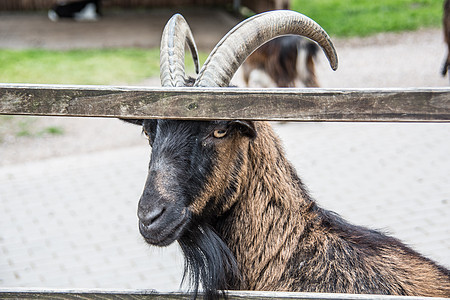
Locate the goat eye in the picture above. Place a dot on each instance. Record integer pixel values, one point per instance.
(220, 133)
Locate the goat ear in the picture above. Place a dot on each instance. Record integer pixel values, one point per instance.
(245, 127)
(134, 121)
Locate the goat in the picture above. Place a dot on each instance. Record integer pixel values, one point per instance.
(225, 191)
(446, 23)
(283, 59)
(84, 10)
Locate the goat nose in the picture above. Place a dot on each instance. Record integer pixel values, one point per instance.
(149, 217)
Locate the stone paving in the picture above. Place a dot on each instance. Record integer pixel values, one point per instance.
(71, 221)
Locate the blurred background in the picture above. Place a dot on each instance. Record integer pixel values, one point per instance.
(69, 186)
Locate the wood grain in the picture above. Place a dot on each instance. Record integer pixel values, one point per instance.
(52, 294)
(356, 105)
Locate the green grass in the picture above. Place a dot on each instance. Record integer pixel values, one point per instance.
(99, 66)
(348, 18)
(26, 127)
(130, 66)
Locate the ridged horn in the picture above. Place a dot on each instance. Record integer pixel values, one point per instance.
(247, 36)
(175, 35)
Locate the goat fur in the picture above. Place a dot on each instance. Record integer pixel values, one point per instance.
(281, 60)
(81, 10)
(282, 240)
(244, 220)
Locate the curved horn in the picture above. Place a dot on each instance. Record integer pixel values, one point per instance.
(251, 33)
(176, 33)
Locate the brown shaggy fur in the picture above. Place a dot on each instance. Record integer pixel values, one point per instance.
(283, 241)
(278, 58)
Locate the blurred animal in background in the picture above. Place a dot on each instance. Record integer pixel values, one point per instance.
(85, 10)
(280, 62)
(446, 22)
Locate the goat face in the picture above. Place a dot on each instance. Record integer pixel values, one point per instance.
(196, 166)
(193, 174)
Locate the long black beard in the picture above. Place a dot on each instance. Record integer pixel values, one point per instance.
(209, 261)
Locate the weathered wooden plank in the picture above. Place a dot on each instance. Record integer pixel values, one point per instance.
(22, 293)
(393, 105)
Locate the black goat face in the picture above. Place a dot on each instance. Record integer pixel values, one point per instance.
(193, 165)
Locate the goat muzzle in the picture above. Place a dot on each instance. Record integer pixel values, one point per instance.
(163, 225)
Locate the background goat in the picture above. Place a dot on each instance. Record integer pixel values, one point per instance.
(284, 59)
(446, 21)
(83, 10)
(244, 220)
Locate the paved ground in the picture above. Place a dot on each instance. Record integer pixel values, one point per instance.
(117, 29)
(68, 203)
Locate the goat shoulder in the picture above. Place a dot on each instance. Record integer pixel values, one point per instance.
(284, 241)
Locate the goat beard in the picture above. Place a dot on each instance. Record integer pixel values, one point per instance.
(209, 261)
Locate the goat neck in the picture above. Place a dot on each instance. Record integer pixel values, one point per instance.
(282, 240)
(263, 225)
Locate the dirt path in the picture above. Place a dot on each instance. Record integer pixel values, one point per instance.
(122, 28)
(409, 59)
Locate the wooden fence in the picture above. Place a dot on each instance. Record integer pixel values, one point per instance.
(356, 105)
(153, 295)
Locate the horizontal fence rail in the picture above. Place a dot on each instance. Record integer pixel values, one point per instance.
(23, 293)
(356, 105)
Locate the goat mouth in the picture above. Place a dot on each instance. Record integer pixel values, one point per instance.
(164, 234)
